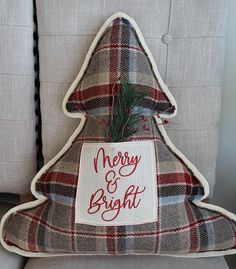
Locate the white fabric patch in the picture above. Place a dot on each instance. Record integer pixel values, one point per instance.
(117, 184)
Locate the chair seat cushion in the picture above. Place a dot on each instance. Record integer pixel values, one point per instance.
(127, 262)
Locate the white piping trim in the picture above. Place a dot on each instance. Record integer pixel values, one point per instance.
(41, 198)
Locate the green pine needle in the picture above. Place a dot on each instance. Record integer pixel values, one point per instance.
(125, 114)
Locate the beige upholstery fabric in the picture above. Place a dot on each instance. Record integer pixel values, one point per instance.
(17, 118)
(126, 262)
(9, 260)
(187, 42)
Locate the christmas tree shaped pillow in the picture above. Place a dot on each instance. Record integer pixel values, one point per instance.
(119, 186)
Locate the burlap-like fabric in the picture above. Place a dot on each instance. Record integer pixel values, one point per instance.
(182, 227)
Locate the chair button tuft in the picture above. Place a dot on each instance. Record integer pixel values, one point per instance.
(167, 39)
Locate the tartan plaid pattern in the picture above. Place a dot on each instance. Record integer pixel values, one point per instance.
(118, 56)
(182, 227)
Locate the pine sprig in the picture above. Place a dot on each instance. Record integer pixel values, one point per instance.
(125, 114)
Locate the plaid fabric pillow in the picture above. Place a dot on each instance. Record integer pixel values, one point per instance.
(184, 225)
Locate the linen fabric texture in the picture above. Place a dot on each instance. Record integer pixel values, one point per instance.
(17, 122)
(131, 262)
(114, 192)
(185, 225)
